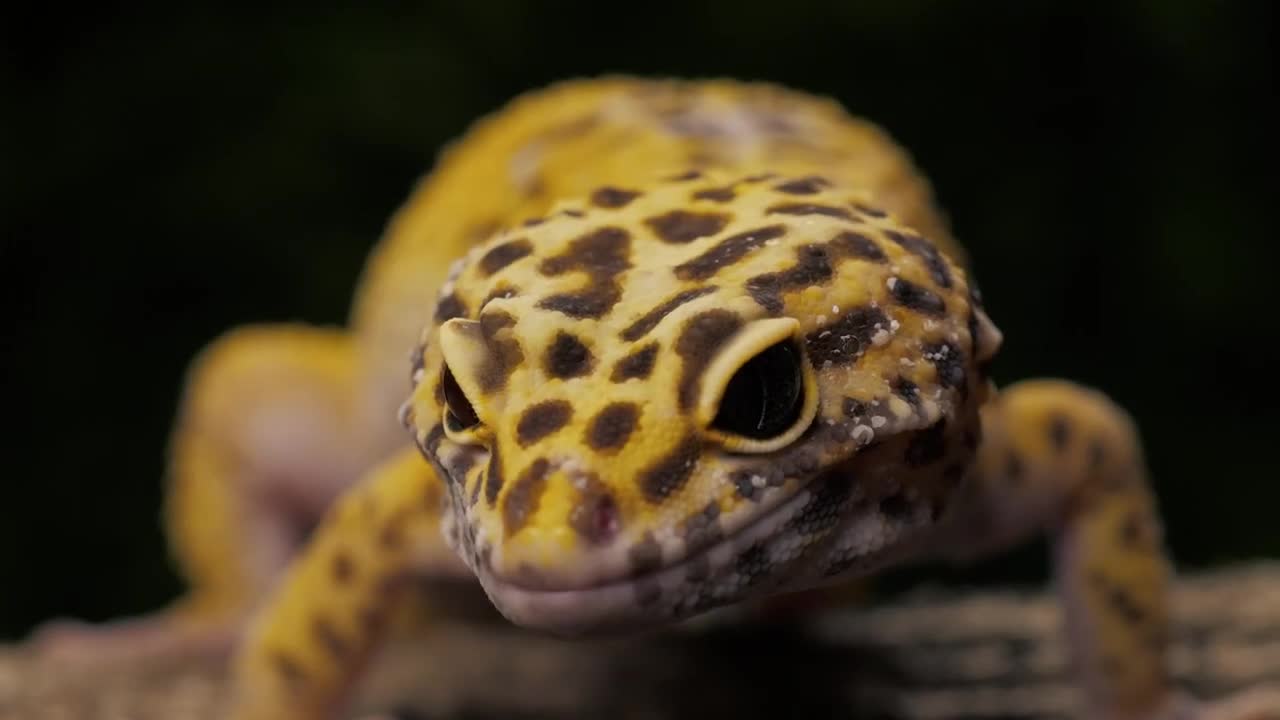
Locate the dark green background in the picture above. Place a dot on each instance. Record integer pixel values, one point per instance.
(170, 173)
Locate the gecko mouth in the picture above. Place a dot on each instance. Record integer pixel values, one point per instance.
(791, 545)
(634, 600)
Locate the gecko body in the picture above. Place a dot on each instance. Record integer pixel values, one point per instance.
(686, 344)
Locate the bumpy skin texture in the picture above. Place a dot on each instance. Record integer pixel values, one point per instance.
(627, 247)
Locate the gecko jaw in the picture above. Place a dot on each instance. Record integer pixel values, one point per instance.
(785, 559)
(617, 604)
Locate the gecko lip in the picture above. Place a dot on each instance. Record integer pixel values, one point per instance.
(616, 604)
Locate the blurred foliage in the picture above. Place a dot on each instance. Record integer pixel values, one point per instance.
(174, 170)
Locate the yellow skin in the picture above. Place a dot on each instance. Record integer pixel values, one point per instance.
(627, 248)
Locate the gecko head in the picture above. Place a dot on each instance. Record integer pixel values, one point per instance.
(663, 399)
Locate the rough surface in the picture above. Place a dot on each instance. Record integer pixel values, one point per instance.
(949, 655)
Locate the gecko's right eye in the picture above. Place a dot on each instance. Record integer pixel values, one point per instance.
(459, 414)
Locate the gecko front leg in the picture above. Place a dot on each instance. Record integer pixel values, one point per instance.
(328, 613)
(1062, 458)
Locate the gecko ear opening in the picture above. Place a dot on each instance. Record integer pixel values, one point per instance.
(760, 392)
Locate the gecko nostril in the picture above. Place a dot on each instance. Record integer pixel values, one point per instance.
(596, 518)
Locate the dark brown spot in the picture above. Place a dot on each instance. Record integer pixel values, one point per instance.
(745, 484)
(853, 408)
(759, 178)
(727, 252)
(927, 446)
(612, 197)
(925, 250)
(595, 516)
(391, 536)
(685, 176)
(504, 354)
(702, 528)
(684, 226)
(493, 478)
(650, 320)
(721, 195)
(810, 209)
(645, 556)
(907, 390)
(603, 255)
(612, 426)
(535, 186)
(327, 635)
(704, 334)
(948, 361)
(568, 357)
(845, 340)
(343, 567)
(665, 477)
(572, 212)
(534, 221)
(450, 307)
(915, 297)
(1118, 597)
(636, 365)
(813, 267)
(503, 255)
(289, 670)
(803, 186)
(524, 496)
(857, 245)
(870, 211)
(1059, 432)
(541, 420)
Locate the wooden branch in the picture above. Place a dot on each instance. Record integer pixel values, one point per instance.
(952, 655)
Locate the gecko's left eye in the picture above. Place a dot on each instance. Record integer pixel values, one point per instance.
(459, 415)
(759, 393)
(765, 397)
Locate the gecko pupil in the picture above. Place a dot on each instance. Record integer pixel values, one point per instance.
(765, 397)
(461, 415)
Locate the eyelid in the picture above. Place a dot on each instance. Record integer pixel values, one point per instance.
(741, 348)
(463, 349)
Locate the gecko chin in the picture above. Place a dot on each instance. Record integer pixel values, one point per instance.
(821, 534)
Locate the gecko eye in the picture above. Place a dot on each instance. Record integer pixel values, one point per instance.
(459, 413)
(766, 395)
